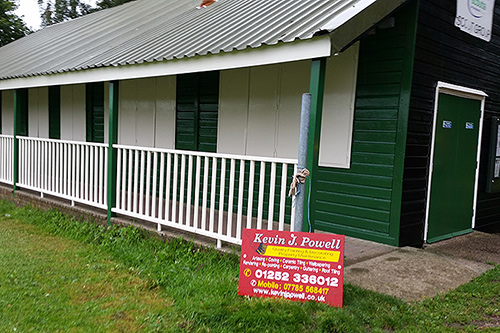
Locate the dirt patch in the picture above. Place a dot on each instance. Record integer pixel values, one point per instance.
(489, 322)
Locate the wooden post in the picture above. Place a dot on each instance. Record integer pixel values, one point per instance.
(112, 140)
(17, 110)
(316, 89)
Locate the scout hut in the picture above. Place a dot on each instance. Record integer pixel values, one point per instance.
(187, 116)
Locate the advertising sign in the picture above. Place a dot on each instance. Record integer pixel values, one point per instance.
(475, 17)
(298, 266)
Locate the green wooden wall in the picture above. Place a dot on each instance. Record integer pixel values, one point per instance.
(365, 200)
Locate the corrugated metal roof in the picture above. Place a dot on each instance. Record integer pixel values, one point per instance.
(158, 30)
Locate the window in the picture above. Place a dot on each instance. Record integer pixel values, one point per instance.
(95, 112)
(55, 112)
(197, 111)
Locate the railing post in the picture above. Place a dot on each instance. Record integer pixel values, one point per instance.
(112, 140)
(316, 89)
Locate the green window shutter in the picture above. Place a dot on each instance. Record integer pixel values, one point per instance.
(197, 111)
(55, 112)
(22, 124)
(95, 112)
(187, 112)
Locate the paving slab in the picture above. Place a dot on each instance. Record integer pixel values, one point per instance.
(476, 246)
(413, 274)
(357, 250)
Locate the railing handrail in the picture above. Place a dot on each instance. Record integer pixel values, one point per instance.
(83, 143)
(206, 154)
(6, 136)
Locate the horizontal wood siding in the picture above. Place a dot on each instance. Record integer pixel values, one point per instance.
(359, 201)
(444, 53)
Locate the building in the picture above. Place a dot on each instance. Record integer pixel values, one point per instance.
(189, 117)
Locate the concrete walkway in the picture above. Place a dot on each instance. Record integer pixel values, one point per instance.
(414, 274)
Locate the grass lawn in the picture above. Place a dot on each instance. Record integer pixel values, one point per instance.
(60, 274)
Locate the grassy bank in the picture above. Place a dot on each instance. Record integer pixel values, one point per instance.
(57, 273)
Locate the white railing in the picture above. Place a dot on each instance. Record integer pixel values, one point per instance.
(6, 158)
(72, 170)
(215, 195)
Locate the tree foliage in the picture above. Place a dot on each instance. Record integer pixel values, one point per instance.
(12, 27)
(56, 11)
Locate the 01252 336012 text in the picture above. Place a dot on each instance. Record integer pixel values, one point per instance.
(297, 266)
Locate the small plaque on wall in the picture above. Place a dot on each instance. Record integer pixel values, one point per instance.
(493, 176)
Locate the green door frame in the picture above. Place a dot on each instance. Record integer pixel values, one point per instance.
(459, 91)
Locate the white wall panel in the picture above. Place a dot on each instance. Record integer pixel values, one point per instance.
(38, 112)
(8, 112)
(126, 113)
(338, 109)
(73, 117)
(165, 112)
(233, 111)
(293, 83)
(259, 109)
(147, 112)
(262, 110)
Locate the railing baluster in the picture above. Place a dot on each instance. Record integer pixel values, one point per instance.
(270, 211)
(221, 194)
(73, 170)
(240, 199)
(260, 209)
(87, 167)
(130, 187)
(205, 194)
(182, 187)
(230, 203)
(213, 190)
(197, 192)
(100, 186)
(250, 194)
(168, 189)
(147, 196)
(161, 193)
(136, 180)
(105, 185)
(78, 173)
(141, 195)
(283, 186)
(155, 184)
(119, 202)
(189, 190)
(292, 213)
(174, 188)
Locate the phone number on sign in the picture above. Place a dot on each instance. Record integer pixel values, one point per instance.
(298, 278)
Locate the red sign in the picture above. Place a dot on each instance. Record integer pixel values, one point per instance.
(298, 266)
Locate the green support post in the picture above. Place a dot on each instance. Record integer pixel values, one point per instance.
(17, 109)
(316, 89)
(112, 140)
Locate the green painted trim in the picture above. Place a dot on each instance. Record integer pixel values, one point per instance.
(17, 109)
(113, 139)
(316, 89)
(403, 116)
(450, 235)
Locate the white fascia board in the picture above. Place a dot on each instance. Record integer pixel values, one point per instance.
(283, 52)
